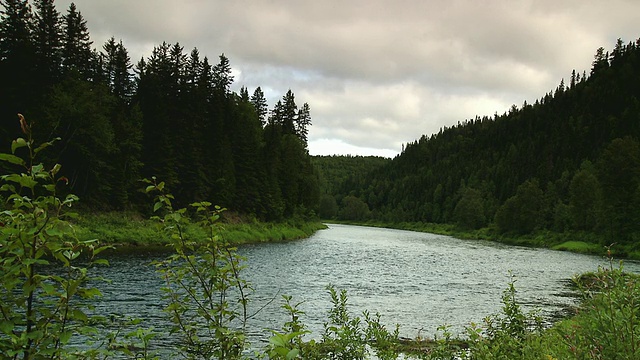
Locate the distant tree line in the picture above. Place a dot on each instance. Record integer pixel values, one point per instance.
(568, 162)
(172, 115)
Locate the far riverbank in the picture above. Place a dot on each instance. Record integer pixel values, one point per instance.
(130, 231)
(576, 242)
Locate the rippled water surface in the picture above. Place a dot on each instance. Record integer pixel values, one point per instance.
(417, 280)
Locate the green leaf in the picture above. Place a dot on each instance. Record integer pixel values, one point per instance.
(65, 336)
(292, 354)
(22, 179)
(46, 145)
(104, 262)
(7, 187)
(48, 288)
(6, 326)
(37, 169)
(12, 159)
(55, 169)
(78, 314)
(277, 340)
(17, 143)
(157, 206)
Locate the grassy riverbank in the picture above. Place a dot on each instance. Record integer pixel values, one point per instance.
(578, 242)
(128, 230)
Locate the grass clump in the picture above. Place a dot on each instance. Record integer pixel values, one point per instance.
(578, 247)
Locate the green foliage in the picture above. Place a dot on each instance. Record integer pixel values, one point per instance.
(206, 296)
(288, 343)
(578, 247)
(585, 198)
(328, 208)
(619, 172)
(505, 336)
(353, 208)
(45, 305)
(607, 325)
(344, 336)
(521, 213)
(469, 212)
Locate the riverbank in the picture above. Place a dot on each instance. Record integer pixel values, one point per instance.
(131, 231)
(577, 242)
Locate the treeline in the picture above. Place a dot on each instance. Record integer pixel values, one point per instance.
(336, 172)
(172, 115)
(568, 162)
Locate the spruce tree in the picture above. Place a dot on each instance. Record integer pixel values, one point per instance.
(77, 54)
(303, 121)
(117, 69)
(48, 42)
(17, 61)
(222, 77)
(260, 104)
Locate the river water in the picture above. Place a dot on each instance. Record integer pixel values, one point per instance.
(417, 280)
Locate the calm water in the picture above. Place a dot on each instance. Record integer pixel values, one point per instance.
(417, 280)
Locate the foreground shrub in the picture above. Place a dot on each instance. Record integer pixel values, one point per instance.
(607, 325)
(44, 266)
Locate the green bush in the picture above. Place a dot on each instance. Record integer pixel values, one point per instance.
(45, 310)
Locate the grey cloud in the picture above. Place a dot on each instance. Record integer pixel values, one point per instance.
(378, 73)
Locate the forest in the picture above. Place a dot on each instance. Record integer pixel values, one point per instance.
(568, 163)
(171, 115)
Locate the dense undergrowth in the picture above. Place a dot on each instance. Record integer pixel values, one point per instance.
(47, 293)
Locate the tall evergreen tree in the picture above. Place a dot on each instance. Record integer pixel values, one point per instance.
(288, 113)
(117, 69)
(222, 77)
(77, 54)
(154, 97)
(260, 104)
(303, 121)
(17, 62)
(126, 121)
(48, 42)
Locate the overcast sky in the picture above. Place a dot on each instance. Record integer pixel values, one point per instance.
(378, 73)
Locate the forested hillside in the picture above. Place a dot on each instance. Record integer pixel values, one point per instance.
(568, 162)
(172, 115)
(335, 170)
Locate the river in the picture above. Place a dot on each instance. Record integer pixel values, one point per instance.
(417, 280)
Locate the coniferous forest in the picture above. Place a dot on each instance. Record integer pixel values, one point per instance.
(170, 115)
(569, 163)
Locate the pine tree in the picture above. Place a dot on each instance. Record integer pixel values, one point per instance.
(289, 113)
(48, 42)
(600, 61)
(303, 121)
(17, 88)
(260, 104)
(154, 97)
(222, 77)
(126, 121)
(117, 69)
(77, 54)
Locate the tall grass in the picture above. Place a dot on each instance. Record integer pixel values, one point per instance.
(130, 229)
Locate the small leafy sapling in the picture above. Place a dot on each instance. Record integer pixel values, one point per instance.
(42, 283)
(206, 296)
